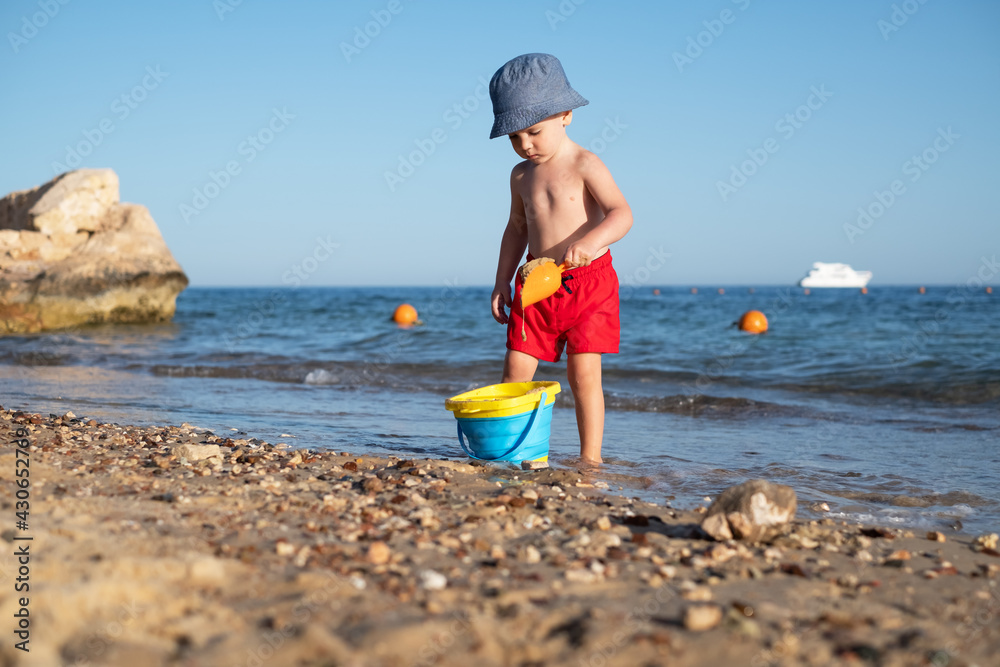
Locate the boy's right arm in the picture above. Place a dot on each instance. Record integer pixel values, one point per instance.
(512, 246)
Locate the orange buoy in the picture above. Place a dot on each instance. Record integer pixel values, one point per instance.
(694, 290)
(656, 292)
(806, 291)
(864, 290)
(405, 315)
(923, 290)
(989, 290)
(753, 321)
(722, 291)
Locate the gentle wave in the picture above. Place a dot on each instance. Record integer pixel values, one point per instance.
(37, 358)
(949, 499)
(351, 375)
(449, 379)
(920, 382)
(941, 386)
(700, 405)
(975, 390)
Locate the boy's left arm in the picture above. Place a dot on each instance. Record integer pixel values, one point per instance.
(617, 213)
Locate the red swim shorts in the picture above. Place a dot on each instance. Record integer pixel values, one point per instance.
(585, 320)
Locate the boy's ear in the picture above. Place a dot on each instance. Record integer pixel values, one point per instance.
(567, 118)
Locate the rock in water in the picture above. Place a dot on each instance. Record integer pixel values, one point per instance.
(753, 511)
(72, 254)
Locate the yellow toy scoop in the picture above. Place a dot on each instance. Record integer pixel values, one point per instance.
(541, 279)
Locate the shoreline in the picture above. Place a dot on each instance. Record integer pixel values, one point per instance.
(171, 545)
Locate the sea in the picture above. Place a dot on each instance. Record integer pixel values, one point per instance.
(878, 408)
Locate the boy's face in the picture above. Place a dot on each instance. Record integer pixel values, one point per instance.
(541, 141)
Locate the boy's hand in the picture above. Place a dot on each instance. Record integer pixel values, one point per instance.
(501, 299)
(579, 254)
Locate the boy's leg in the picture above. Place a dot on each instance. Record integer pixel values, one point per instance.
(519, 367)
(584, 373)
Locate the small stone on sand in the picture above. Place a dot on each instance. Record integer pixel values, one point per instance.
(702, 617)
(987, 541)
(432, 581)
(378, 553)
(195, 452)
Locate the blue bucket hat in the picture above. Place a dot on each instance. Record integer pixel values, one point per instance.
(528, 89)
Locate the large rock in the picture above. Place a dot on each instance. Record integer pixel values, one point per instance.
(753, 511)
(72, 254)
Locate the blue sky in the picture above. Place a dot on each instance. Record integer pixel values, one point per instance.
(347, 143)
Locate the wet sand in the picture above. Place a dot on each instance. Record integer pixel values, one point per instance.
(175, 546)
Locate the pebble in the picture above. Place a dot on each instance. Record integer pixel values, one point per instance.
(195, 452)
(743, 609)
(581, 576)
(808, 542)
(987, 541)
(794, 569)
(721, 553)
(431, 580)
(742, 625)
(207, 571)
(698, 594)
(936, 536)
(989, 569)
(378, 553)
(702, 617)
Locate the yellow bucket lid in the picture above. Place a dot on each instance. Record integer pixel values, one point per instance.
(510, 397)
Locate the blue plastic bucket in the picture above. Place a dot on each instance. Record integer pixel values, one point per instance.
(523, 436)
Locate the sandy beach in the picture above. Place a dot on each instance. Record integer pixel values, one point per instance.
(175, 546)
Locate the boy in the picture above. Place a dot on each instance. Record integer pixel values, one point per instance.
(564, 205)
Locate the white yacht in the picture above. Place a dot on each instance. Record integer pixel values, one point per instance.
(835, 275)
